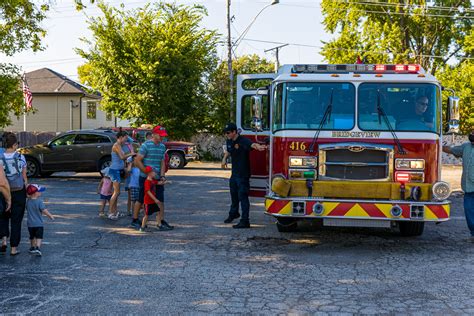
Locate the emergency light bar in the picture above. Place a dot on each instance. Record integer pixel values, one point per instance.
(358, 68)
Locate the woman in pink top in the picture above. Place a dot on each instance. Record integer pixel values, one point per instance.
(105, 190)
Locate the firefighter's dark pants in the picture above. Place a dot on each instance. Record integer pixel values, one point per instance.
(239, 192)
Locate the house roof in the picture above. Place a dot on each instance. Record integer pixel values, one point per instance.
(47, 81)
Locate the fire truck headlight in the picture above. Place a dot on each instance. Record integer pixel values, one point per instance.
(410, 164)
(296, 162)
(441, 191)
(305, 162)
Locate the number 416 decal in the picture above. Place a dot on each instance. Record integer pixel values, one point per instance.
(297, 146)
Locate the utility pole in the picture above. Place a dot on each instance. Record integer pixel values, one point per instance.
(229, 61)
(277, 56)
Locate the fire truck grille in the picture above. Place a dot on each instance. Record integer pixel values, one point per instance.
(355, 162)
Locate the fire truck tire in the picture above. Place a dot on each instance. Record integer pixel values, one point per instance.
(286, 225)
(410, 229)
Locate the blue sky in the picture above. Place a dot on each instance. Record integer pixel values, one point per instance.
(291, 21)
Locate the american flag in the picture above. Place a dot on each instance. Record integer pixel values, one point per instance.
(27, 95)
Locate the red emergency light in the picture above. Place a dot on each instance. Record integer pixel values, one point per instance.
(400, 67)
(402, 177)
(413, 68)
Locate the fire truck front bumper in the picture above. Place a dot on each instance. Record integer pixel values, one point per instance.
(388, 210)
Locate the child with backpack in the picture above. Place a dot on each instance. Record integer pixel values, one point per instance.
(35, 209)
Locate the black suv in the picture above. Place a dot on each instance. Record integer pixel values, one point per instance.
(79, 151)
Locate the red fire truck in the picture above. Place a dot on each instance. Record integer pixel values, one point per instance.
(352, 145)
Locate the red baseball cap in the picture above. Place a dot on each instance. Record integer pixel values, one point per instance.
(148, 169)
(33, 188)
(160, 130)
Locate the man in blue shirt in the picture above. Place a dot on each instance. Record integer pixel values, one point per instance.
(151, 153)
(466, 152)
(239, 148)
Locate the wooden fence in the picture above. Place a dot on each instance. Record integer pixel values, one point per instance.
(34, 138)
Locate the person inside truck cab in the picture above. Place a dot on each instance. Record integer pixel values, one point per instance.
(417, 116)
(421, 106)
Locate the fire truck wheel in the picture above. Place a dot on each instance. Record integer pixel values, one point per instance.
(409, 229)
(286, 225)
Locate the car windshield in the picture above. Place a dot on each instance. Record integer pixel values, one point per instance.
(302, 105)
(408, 106)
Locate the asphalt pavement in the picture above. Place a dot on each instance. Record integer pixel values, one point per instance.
(100, 266)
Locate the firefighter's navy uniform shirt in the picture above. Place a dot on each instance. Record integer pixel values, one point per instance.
(240, 152)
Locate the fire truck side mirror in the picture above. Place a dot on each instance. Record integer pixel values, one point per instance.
(257, 110)
(453, 110)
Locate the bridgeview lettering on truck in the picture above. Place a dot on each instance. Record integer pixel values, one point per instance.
(349, 145)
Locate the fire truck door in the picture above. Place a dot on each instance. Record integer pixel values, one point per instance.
(247, 86)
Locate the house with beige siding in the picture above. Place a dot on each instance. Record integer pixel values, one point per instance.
(61, 104)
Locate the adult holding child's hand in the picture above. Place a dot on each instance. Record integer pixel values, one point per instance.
(152, 154)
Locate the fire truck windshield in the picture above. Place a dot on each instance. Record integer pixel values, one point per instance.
(408, 106)
(302, 105)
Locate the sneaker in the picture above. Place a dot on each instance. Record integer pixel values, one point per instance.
(113, 216)
(120, 214)
(135, 224)
(142, 230)
(164, 228)
(38, 252)
(32, 250)
(231, 218)
(101, 214)
(242, 225)
(164, 223)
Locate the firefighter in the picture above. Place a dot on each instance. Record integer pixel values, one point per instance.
(466, 152)
(239, 148)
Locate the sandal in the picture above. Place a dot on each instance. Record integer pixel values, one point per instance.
(14, 254)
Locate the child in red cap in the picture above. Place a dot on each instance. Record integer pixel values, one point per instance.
(35, 209)
(152, 202)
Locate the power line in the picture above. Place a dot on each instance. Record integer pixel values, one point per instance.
(414, 6)
(396, 13)
(345, 49)
(438, 8)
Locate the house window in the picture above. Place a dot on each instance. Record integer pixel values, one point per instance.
(108, 116)
(91, 110)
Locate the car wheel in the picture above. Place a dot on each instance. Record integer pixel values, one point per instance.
(32, 168)
(104, 163)
(176, 161)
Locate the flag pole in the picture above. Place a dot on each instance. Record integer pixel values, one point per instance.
(24, 113)
(28, 98)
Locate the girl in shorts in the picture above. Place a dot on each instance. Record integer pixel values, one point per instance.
(105, 190)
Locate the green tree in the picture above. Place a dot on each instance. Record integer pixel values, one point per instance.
(461, 79)
(436, 34)
(20, 29)
(218, 91)
(151, 64)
